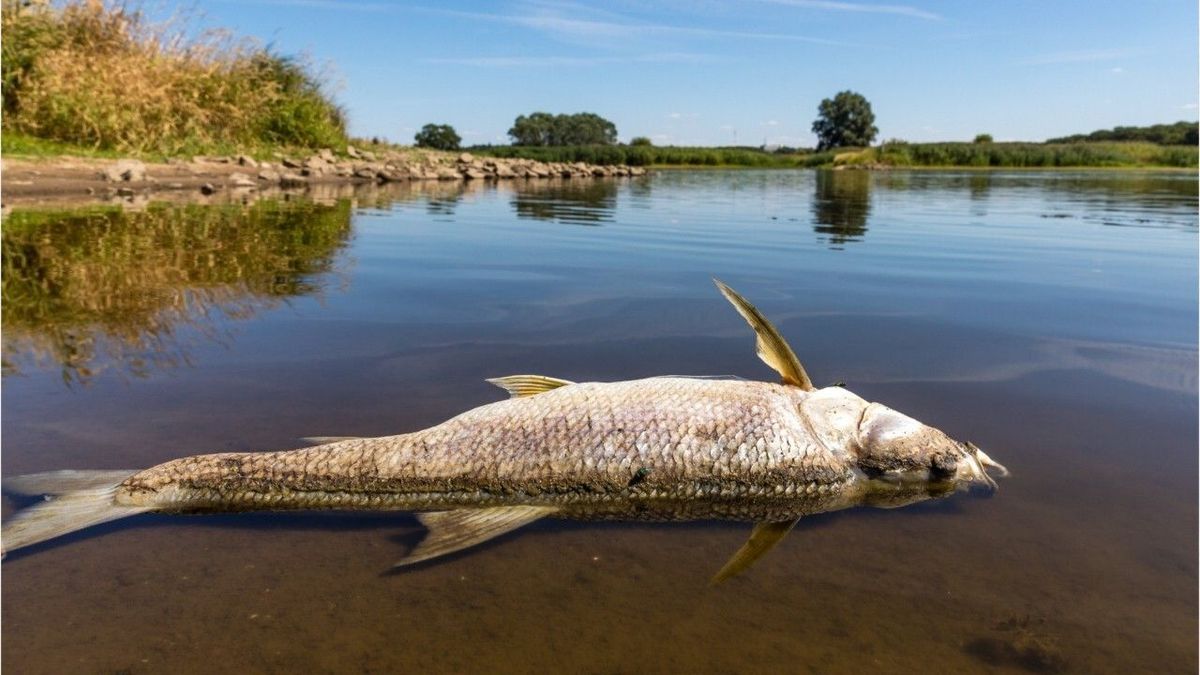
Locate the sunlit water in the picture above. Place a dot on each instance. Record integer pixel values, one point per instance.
(1048, 317)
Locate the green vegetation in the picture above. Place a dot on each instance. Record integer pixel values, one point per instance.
(892, 153)
(640, 140)
(641, 155)
(438, 137)
(546, 130)
(101, 76)
(983, 138)
(846, 120)
(16, 143)
(1025, 155)
(1179, 133)
(115, 284)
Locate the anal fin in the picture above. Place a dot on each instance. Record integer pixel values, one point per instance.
(451, 531)
(762, 539)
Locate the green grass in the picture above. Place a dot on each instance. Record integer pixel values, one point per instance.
(1032, 155)
(892, 153)
(642, 155)
(101, 76)
(15, 144)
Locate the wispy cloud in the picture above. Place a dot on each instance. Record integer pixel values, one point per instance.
(1189, 106)
(1079, 56)
(559, 25)
(337, 5)
(567, 61)
(834, 6)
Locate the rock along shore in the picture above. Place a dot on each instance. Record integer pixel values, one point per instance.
(207, 175)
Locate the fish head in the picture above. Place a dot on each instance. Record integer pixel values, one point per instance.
(903, 457)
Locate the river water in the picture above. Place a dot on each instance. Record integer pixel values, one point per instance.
(1051, 318)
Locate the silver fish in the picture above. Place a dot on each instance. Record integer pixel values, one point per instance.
(662, 448)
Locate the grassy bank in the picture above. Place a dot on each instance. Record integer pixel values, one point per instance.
(644, 155)
(102, 77)
(892, 153)
(1030, 155)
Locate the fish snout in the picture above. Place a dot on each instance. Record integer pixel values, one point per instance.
(973, 473)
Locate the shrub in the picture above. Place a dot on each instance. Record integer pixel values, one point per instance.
(101, 75)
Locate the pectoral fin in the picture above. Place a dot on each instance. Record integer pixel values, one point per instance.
(762, 539)
(451, 531)
(771, 347)
(528, 385)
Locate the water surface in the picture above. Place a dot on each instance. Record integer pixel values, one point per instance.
(1048, 317)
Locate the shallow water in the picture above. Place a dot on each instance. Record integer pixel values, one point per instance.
(1048, 317)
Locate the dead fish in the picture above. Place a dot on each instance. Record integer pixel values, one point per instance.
(662, 448)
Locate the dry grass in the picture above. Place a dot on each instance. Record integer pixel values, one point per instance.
(102, 75)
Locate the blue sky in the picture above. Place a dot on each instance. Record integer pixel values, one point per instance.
(745, 71)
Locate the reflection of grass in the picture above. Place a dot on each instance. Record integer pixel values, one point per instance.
(83, 287)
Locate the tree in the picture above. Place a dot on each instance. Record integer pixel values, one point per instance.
(640, 140)
(437, 136)
(983, 138)
(536, 129)
(843, 121)
(544, 129)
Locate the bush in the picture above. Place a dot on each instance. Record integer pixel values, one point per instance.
(982, 138)
(101, 75)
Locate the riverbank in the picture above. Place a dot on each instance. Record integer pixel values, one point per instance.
(29, 179)
(890, 154)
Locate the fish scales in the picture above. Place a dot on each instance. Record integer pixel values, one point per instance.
(584, 444)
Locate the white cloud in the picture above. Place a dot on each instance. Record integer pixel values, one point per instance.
(1116, 71)
(1189, 106)
(555, 23)
(830, 5)
(552, 61)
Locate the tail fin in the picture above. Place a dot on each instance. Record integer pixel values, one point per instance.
(74, 500)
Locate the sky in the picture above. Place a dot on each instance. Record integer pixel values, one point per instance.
(746, 72)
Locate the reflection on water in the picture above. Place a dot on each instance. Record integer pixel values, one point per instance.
(116, 287)
(841, 205)
(1049, 317)
(571, 202)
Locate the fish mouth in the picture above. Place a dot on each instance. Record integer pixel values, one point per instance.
(974, 472)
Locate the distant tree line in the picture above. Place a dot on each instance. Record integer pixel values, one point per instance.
(1179, 133)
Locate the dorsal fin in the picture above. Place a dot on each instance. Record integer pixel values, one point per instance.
(528, 385)
(762, 539)
(326, 440)
(771, 347)
(451, 531)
